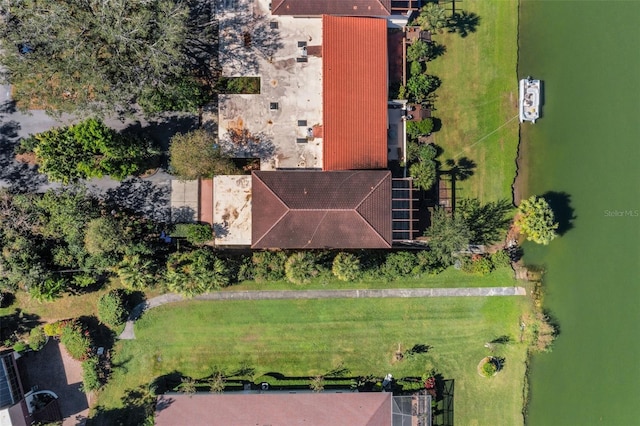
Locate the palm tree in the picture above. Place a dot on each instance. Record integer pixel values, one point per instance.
(135, 272)
(432, 18)
(346, 267)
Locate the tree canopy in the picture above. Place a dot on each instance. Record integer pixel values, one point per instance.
(419, 50)
(86, 150)
(447, 235)
(433, 17)
(195, 155)
(487, 222)
(93, 55)
(536, 220)
(424, 169)
(420, 86)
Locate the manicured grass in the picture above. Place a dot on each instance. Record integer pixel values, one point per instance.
(62, 308)
(479, 94)
(451, 277)
(304, 338)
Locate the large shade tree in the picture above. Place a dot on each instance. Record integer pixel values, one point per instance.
(447, 235)
(196, 155)
(79, 55)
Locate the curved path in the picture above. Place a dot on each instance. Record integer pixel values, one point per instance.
(319, 294)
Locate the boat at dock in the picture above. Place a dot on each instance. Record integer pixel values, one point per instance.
(530, 91)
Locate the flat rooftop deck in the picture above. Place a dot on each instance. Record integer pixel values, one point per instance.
(232, 210)
(254, 43)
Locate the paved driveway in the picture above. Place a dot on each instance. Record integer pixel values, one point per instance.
(150, 196)
(53, 369)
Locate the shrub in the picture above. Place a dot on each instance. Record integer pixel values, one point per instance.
(195, 272)
(476, 265)
(300, 267)
(268, 265)
(37, 338)
(420, 86)
(48, 289)
(419, 50)
(500, 259)
(429, 262)
(111, 308)
(399, 264)
(90, 374)
(419, 128)
(54, 328)
(20, 346)
(346, 267)
(402, 92)
(76, 340)
(424, 169)
(195, 233)
(489, 368)
(416, 68)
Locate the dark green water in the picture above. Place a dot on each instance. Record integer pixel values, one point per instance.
(586, 147)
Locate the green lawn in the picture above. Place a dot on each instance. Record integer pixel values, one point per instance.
(303, 338)
(478, 95)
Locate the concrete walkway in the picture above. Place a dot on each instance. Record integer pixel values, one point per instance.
(320, 294)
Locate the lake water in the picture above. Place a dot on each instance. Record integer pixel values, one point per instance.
(586, 150)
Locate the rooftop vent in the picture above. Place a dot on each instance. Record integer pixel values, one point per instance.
(273, 106)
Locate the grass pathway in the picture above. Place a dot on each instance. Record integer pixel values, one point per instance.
(164, 299)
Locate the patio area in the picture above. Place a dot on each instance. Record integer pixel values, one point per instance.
(53, 369)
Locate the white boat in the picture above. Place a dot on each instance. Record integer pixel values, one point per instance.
(530, 90)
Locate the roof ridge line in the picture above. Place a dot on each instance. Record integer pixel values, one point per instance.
(315, 231)
(363, 218)
(276, 7)
(371, 192)
(287, 210)
(375, 231)
(381, 2)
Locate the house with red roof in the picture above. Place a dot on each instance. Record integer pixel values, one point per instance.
(293, 408)
(319, 127)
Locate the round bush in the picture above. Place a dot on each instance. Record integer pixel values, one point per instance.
(76, 340)
(54, 328)
(300, 268)
(489, 368)
(37, 338)
(346, 267)
(111, 308)
(500, 259)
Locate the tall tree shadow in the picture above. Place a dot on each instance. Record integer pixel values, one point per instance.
(461, 169)
(560, 203)
(20, 177)
(463, 23)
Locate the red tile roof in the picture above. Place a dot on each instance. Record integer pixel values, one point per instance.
(312, 209)
(331, 7)
(354, 84)
(275, 409)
